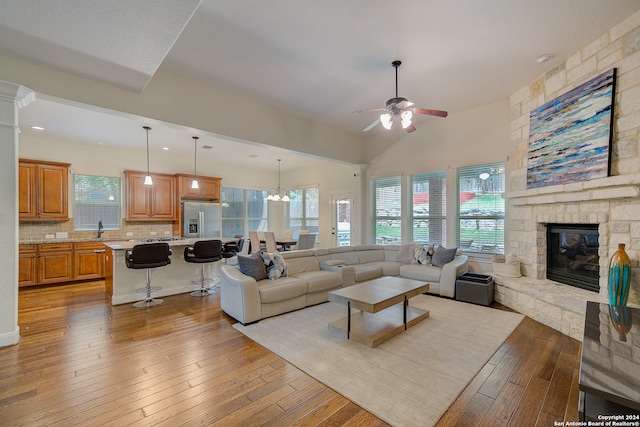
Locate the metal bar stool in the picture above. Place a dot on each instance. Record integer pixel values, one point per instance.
(203, 252)
(148, 255)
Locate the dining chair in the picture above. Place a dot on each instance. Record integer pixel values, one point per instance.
(254, 239)
(306, 241)
(287, 235)
(303, 232)
(270, 241)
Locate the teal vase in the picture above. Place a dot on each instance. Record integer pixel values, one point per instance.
(619, 277)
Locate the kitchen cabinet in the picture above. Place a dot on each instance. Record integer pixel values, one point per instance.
(43, 190)
(28, 265)
(55, 263)
(88, 260)
(155, 202)
(209, 187)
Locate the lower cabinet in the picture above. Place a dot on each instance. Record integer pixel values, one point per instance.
(28, 265)
(88, 261)
(60, 262)
(55, 263)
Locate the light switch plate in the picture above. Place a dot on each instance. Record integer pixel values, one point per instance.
(49, 236)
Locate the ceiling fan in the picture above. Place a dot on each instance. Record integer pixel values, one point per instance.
(400, 110)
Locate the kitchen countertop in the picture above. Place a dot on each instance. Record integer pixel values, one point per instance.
(129, 244)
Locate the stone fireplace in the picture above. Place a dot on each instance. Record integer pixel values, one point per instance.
(611, 204)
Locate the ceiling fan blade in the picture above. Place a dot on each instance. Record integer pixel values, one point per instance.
(371, 126)
(367, 111)
(410, 128)
(404, 104)
(429, 112)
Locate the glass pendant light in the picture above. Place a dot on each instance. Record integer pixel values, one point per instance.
(194, 183)
(279, 194)
(147, 179)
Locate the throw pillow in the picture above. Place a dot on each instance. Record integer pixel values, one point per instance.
(422, 255)
(252, 266)
(406, 252)
(443, 256)
(274, 262)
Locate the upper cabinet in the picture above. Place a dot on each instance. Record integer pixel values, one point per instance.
(43, 189)
(209, 187)
(155, 202)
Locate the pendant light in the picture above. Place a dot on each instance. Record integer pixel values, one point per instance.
(194, 183)
(279, 194)
(147, 179)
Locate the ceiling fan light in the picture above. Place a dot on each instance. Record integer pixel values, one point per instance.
(405, 118)
(386, 120)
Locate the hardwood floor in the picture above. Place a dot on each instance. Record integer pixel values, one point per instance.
(84, 362)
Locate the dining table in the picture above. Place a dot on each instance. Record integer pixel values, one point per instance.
(284, 244)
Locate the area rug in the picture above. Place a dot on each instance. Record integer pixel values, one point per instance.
(409, 380)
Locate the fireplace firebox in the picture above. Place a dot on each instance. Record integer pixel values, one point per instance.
(572, 255)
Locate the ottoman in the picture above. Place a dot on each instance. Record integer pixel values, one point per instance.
(475, 288)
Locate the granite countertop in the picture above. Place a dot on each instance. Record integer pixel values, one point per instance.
(129, 244)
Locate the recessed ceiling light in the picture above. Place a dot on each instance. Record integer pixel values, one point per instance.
(165, 148)
(253, 156)
(207, 147)
(544, 58)
(37, 127)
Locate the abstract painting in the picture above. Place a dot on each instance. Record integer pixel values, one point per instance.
(570, 137)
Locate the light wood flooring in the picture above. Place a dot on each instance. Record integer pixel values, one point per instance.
(84, 362)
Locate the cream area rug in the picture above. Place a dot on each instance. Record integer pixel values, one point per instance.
(409, 380)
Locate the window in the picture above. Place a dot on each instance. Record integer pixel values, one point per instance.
(303, 210)
(481, 208)
(95, 199)
(428, 202)
(243, 211)
(386, 199)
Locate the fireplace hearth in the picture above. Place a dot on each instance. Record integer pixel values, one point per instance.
(572, 255)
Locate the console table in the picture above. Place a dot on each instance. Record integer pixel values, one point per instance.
(610, 364)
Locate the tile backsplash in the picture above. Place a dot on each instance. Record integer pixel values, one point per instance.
(37, 231)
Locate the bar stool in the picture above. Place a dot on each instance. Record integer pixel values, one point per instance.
(231, 249)
(148, 255)
(203, 252)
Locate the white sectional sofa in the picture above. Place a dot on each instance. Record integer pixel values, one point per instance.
(313, 273)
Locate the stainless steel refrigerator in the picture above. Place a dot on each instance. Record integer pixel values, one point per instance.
(200, 219)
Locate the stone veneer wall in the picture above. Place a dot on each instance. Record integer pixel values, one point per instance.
(613, 202)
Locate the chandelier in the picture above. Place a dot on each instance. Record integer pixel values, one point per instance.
(279, 194)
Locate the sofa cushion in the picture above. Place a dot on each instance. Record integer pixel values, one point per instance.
(367, 272)
(443, 256)
(276, 267)
(253, 266)
(405, 254)
(282, 289)
(318, 281)
(425, 273)
(373, 254)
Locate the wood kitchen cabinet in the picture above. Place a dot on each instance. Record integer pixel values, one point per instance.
(43, 190)
(209, 187)
(88, 260)
(55, 263)
(155, 202)
(28, 265)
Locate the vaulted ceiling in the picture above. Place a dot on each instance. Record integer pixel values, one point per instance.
(321, 60)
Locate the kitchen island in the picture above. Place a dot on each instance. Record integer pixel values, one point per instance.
(176, 278)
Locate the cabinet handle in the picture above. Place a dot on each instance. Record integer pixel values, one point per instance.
(99, 251)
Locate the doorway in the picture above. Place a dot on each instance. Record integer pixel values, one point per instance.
(341, 228)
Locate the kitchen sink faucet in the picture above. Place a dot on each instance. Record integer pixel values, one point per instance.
(100, 229)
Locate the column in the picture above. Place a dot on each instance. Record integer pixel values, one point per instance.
(12, 97)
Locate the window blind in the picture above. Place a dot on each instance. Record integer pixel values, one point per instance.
(428, 201)
(96, 198)
(387, 200)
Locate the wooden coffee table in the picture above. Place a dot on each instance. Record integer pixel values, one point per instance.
(384, 309)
